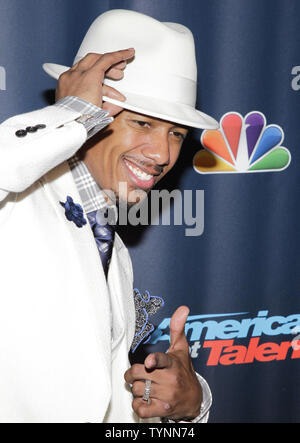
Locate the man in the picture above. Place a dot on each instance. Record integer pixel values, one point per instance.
(67, 316)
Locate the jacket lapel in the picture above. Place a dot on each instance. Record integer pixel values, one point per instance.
(59, 184)
(120, 282)
(116, 294)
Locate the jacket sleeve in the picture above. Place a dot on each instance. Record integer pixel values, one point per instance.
(23, 160)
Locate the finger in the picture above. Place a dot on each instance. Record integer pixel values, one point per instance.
(74, 67)
(156, 408)
(111, 109)
(112, 58)
(138, 389)
(158, 360)
(114, 74)
(177, 329)
(116, 71)
(122, 65)
(88, 61)
(111, 92)
(137, 372)
(159, 391)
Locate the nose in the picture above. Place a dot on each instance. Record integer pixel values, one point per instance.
(157, 149)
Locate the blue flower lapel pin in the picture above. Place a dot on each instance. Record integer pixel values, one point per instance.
(74, 212)
(145, 305)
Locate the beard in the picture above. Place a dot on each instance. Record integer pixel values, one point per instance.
(123, 198)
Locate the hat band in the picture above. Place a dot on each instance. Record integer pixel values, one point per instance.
(167, 87)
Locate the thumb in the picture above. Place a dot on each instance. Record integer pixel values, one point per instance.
(177, 329)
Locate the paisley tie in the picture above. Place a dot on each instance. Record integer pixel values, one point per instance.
(104, 234)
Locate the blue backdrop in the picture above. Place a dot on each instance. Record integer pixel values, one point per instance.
(247, 260)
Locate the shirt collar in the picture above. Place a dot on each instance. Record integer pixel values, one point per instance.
(93, 198)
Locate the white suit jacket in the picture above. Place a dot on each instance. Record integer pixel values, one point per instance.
(58, 359)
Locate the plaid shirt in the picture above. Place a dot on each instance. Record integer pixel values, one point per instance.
(91, 195)
(93, 118)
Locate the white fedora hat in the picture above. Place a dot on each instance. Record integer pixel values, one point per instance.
(161, 81)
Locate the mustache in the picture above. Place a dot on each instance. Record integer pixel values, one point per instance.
(145, 163)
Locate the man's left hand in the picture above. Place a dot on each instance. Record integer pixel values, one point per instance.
(175, 390)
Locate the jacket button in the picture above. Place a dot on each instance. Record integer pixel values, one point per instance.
(40, 126)
(31, 129)
(21, 133)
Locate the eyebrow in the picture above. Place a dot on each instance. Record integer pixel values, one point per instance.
(156, 120)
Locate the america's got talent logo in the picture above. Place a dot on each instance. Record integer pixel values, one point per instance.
(238, 338)
(242, 145)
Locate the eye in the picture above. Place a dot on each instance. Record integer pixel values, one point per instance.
(179, 135)
(142, 123)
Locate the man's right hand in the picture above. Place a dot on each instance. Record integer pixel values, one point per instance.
(85, 79)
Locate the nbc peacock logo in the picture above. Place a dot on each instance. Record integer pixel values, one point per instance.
(242, 145)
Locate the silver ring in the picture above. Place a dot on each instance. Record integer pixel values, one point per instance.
(146, 396)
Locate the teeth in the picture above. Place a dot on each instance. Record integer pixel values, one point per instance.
(139, 173)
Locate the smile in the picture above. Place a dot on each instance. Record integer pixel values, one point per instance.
(141, 178)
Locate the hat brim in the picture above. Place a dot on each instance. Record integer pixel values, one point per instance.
(174, 112)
